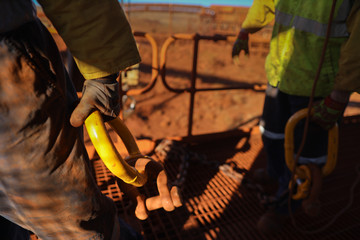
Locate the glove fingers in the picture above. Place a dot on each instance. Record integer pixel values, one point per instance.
(324, 116)
(104, 97)
(235, 52)
(100, 94)
(240, 45)
(236, 60)
(80, 113)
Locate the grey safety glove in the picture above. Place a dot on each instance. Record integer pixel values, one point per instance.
(98, 94)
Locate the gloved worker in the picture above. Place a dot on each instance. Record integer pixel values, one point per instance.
(328, 111)
(46, 186)
(262, 13)
(295, 50)
(98, 94)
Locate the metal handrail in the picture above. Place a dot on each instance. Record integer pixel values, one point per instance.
(155, 67)
(192, 89)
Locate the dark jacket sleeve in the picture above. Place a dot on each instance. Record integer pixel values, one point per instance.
(348, 77)
(96, 32)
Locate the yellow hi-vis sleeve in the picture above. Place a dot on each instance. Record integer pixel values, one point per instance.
(96, 32)
(260, 14)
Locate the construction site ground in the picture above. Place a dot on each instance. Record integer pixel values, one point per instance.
(218, 202)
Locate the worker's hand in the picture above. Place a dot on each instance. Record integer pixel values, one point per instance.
(241, 44)
(328, 111)
(98, 94)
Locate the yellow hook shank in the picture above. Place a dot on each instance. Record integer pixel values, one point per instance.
(108, 153)
(289, 143)
(124, 133)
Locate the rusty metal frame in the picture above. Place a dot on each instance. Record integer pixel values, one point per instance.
(154, 71)
(192, 89)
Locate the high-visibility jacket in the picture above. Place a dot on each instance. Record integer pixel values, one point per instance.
(97, 33)
(297, 41)
(260, 14)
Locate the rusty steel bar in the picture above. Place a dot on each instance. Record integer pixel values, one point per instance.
(154, 71)
(155, 66)
(163, 52)
(197, 37)
(193, 84)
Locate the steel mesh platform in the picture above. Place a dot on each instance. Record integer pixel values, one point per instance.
(217, 205)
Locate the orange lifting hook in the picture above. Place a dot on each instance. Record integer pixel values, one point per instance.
(118, 166)
(303, 172)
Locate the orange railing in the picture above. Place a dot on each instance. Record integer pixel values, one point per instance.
(156, 68)
(193, 89)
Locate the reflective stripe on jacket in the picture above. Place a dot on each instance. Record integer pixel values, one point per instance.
(297, 41)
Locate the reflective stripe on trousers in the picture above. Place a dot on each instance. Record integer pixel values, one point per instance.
(302, 160)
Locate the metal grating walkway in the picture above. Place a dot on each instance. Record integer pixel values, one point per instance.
(218, 206)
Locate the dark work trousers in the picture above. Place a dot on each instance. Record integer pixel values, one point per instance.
(278, 108)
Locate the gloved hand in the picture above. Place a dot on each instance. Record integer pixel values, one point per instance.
(328, 111)
(98, 94)
(241, 44)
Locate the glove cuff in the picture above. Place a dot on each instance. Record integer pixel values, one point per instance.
(333, 104)
(107, 79)
(243, 35)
